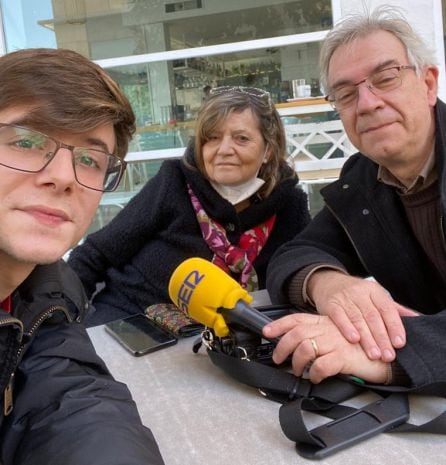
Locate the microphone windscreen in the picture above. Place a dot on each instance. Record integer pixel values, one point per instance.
(200, 288)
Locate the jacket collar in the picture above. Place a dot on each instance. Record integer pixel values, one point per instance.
(53, 285)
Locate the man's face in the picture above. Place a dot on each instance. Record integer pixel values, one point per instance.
(42, 215)
(395, 128)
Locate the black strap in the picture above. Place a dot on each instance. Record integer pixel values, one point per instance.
(350, 425)
(346, 429)
(280, 385)
(436, 426)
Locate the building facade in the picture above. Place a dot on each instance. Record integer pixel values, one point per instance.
(166, 54)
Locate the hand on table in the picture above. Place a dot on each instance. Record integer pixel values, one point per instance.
(315, 342)
(363, 311)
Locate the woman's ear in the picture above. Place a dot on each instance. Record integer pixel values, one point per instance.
(266, 154)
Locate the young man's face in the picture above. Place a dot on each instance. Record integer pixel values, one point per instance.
(42, 215)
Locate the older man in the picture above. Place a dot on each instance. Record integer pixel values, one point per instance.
(383, 218)
(64, 131)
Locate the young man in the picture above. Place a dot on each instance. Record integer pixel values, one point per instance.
(383, 218)
(64, 131)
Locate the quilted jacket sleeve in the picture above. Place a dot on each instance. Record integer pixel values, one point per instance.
(69, 409)
(424, 354)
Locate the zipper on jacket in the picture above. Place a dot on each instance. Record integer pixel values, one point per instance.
(43, 316)
(8, 394)
(10, 319)
(8, 402)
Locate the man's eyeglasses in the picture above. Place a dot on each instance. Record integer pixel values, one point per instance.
(378, 83)
(261, 94)
(31, 151)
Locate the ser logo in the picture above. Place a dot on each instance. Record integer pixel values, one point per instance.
(187, 289)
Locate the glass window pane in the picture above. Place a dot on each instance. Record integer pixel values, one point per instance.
(115, 28)
(249, 23)
(165, 113)
(315, 200)
(22, 23)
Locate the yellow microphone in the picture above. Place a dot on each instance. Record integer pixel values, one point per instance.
(210, 296)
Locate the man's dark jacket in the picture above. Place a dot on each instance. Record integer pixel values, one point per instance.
(364, 230)
(137, 252)
(66, 407)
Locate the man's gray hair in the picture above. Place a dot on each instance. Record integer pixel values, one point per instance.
(383, 18)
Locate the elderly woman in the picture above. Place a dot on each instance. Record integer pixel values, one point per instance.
(232, 200)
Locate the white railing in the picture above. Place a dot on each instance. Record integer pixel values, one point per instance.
(318, 146)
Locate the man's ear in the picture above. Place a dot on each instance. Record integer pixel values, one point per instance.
(430, 77)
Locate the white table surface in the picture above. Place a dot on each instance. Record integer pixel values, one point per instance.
(201, 416)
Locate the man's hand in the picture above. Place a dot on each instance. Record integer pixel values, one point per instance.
(363, 311)
(316, 342)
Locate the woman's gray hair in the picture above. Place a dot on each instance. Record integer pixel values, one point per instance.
(383, 18)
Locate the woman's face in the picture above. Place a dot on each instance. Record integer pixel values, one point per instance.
(235, 150)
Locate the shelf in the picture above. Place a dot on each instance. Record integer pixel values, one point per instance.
(304, 106)
(301, 102)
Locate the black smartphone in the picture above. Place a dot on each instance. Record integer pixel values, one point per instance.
(139, 335)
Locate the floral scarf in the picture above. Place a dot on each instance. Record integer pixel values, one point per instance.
(233, 259)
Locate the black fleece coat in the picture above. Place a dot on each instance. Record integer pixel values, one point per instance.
(136, 253)
(363, 229)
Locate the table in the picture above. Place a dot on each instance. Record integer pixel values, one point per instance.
(201, 416)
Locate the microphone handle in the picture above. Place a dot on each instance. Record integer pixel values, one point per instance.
(248, 317)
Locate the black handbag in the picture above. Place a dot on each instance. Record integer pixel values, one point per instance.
(244, 357)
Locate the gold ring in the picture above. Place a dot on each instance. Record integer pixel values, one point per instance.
(315, 348)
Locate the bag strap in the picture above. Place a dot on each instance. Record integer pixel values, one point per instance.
(280, 385)
(435, 426)
(350, 425)
(346, 429)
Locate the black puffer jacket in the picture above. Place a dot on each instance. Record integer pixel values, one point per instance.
(137, 252)
(67, 408)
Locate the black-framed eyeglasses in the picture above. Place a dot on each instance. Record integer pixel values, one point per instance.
(30, 151)
(261, 94)
(379, 82)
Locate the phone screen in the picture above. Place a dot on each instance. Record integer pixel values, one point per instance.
(139, 335)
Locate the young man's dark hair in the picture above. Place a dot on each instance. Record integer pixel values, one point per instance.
(66, 91)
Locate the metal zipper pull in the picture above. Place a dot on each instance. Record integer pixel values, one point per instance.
(8, 404)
